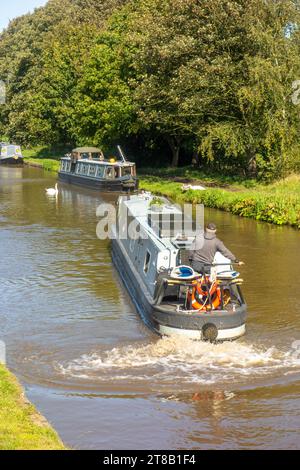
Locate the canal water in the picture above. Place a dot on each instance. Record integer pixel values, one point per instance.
(101, 378)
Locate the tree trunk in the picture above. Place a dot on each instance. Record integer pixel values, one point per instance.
(175, 156)
(174, 143)
(195, 159)
(252, 167)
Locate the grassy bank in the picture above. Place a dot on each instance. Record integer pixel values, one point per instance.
(197, 176)
(44, 157)
(21, 426)
(45, 163)
(278, 203)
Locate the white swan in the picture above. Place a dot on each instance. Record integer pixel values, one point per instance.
(187, 187)
(52, 191)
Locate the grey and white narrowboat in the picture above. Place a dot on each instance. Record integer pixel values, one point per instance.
(171, 297)
(10, 154)
(87, 166)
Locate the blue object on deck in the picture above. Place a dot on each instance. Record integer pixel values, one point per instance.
(228, 274)
(183, 272)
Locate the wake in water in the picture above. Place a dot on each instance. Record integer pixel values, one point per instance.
(179, 359)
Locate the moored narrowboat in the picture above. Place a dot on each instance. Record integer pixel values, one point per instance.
(87, 166)
(10, 154)
(169, 295)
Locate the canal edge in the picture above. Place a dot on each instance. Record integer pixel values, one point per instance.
(22, 426)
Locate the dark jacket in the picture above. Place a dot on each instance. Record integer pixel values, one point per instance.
(206, 246)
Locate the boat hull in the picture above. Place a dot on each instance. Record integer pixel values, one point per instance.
(227, 326)
(103, 185)
(11, 161)
(227, 334)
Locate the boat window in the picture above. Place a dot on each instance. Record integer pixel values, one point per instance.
(126, 170)
(109, 173)
(84, 155)
(10, 150)
(100, 171)
(97, 156)
(84, 168)
(147, 262)
(92, 170)
(65, 165)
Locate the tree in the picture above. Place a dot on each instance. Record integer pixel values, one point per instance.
(41, 58)
(260, 133)
(219, 72)
(185, 65)
(212, 77)
(104, 108)
(165, 44)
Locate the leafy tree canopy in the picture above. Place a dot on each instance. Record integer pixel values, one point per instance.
(211, 78)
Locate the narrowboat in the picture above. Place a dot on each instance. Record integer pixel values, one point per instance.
(87, 166)
(169, 295)
(10, 154)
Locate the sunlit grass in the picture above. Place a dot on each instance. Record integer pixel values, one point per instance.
(45, 163)
(278, 203)
(21, 426)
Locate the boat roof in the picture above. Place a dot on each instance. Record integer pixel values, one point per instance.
(138, 207)
(87, 150)
(5, 144)
(107, 162)
(102, 162)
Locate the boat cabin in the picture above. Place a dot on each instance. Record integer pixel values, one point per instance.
(84, 153)
(88, 166)
(151, 243)
(10, 153)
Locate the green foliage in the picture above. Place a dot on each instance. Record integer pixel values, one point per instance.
(42, 56)
(103, 99)
(212, 79)
(156, 201)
